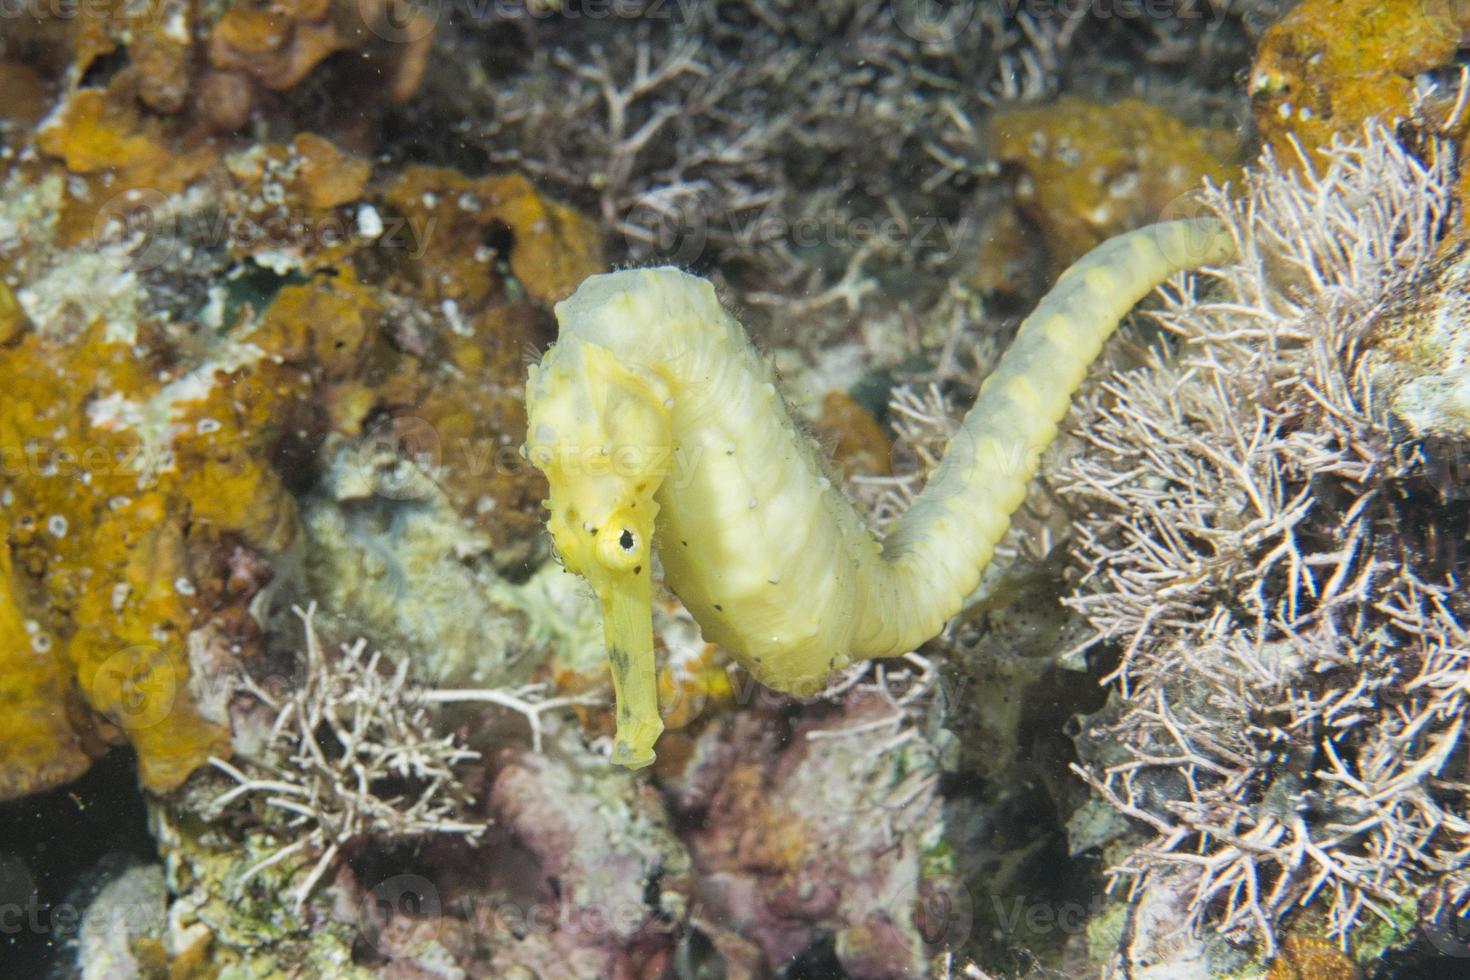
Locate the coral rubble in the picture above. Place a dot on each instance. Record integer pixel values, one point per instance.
(1087, 172)
(855, 842)
(1329, 66)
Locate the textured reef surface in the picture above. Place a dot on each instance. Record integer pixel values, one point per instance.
(291, 683)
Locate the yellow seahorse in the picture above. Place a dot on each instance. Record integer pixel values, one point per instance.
(659, 427)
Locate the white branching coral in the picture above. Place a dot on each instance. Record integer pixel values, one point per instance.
(707, 129)
(351, 756)
(900, 712)
(1289, 706)
(923, 421)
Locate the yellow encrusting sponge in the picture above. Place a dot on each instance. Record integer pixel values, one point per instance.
(653, 404)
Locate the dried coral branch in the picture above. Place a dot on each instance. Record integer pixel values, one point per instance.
(906, 694)
(1288, 719)
(719, 122)
(908, 720)
(351, 756)
(529, 701)
(922, 424)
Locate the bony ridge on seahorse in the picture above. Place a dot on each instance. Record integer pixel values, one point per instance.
(659, 426)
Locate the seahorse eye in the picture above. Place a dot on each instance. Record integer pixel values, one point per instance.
(619, 545)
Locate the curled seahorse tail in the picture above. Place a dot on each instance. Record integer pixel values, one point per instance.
(940, 547)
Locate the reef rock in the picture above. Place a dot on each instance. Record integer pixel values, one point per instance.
(1087, 171)
(839, 832)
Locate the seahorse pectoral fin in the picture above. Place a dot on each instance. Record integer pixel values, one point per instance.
(627, 624)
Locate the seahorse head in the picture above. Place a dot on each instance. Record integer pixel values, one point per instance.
(600, 432)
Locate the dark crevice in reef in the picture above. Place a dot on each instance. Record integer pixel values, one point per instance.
(817, 962)
(71, 839)
(1428, 960)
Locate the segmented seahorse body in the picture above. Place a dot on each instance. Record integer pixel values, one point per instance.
(655, 420)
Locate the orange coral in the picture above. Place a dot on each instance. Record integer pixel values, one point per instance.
(101, 136)
(278, 42)
(291, 200)
(105, 561)
(1311, 959)
(201, 63)
(160, 50)
(457, 226)
(39, 747)
(146, 462)
(1088, 171)
(450, 238)
(858, 443)
(139, 468)
(1331, 65)
(473, 401)
(135, 481)
(132, 485)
